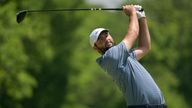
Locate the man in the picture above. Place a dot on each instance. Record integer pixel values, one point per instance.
(121, 62)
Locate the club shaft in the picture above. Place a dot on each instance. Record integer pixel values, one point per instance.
(78, 9)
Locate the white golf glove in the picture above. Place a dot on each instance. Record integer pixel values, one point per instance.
(140, 14)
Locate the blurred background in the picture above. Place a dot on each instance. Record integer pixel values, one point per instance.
(47, 62)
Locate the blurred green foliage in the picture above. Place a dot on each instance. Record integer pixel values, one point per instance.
(46, 61)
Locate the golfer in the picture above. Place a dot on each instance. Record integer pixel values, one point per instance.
(121, 61)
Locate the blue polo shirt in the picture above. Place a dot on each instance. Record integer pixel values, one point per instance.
(136, 84)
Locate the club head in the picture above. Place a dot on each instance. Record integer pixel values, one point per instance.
(21, 15)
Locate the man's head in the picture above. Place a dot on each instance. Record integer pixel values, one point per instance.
(101, 40)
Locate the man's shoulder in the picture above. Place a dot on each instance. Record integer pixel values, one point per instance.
(116, 49)
(113, 53)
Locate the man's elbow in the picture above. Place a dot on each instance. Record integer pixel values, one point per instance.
(148, 49)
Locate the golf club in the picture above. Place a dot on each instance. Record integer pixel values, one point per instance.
(21, 14)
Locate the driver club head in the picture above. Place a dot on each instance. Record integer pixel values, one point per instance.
(20, 16)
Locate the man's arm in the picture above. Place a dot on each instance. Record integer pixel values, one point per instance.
(133, 28)
(144, 39)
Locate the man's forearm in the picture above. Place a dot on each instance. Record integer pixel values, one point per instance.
(133, 26)
(144, 39)
(133, 31)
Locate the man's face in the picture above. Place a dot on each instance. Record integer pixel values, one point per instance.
(104, 42)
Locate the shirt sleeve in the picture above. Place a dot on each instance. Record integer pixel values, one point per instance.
(131, 52)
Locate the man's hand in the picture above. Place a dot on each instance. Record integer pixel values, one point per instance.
(140, 14)
(129, 10)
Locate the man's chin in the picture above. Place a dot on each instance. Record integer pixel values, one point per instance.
(108, 47)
